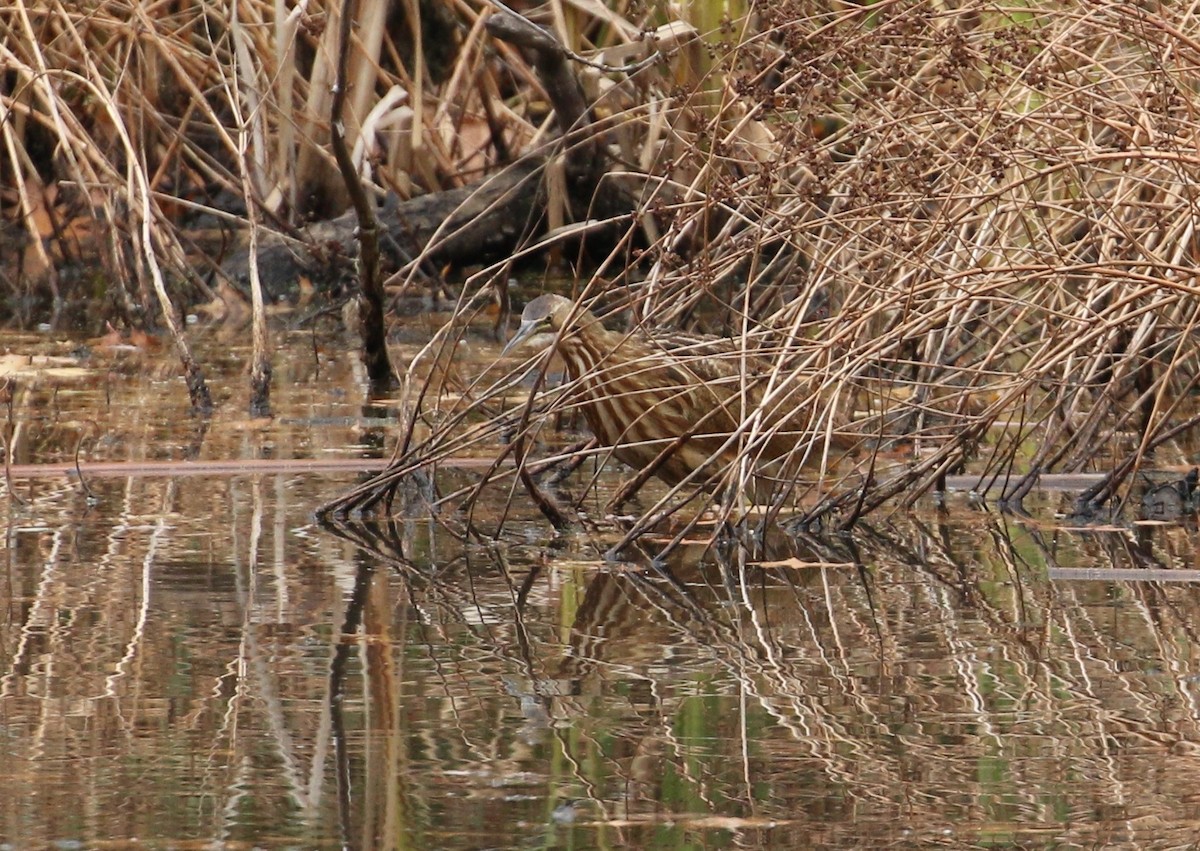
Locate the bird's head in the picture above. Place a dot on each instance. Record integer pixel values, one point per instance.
(543, 319)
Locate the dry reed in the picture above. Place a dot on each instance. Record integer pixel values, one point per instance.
(990, 211)
(991, 214)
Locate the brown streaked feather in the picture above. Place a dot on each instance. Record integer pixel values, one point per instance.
(640, 394)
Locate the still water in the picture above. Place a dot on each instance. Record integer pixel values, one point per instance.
(189, 660)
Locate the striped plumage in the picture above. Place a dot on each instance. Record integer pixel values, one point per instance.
(642, 395)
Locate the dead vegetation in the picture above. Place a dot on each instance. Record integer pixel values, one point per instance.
(972, 224)
(977, 227)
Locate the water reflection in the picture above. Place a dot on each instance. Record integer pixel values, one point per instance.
(946, 692)
(194, 661)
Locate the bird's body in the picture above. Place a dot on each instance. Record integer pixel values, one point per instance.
(679, 403)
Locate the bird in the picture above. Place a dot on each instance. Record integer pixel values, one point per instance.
(680, 405)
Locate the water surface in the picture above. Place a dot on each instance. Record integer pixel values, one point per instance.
(190, 660)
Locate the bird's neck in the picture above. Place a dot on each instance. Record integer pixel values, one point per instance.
(589, 347)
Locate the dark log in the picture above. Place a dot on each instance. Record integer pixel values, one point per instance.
(483, 222)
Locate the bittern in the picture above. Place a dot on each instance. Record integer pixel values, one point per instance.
(678, 404)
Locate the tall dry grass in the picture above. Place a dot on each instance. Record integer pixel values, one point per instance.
(130, 131)
(990, 212)
(117, 111)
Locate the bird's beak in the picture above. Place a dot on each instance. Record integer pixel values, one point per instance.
(527, 330)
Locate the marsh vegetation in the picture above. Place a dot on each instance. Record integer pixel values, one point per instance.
(962, 232)
(970, 225)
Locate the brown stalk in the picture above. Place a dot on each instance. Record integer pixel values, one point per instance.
(371, 296)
